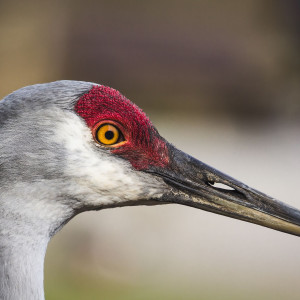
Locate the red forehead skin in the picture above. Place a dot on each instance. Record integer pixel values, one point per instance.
(144, 146)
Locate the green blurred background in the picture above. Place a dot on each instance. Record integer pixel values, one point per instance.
(220, 79)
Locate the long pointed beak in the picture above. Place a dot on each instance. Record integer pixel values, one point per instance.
(196, 184)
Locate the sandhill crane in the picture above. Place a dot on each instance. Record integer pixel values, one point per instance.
(68, 147)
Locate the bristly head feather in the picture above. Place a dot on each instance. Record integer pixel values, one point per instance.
(144, 146)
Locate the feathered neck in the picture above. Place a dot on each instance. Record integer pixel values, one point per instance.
(21, 262)
(26, 226)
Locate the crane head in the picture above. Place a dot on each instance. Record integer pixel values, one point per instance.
(91, 148)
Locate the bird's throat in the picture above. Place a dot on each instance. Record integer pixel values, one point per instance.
(26, 226)
(21, 265)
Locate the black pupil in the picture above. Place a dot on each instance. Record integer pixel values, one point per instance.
(109, 135)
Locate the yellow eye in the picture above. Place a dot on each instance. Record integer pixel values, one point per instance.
(108, 134)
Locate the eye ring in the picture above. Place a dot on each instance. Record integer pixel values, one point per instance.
(108, 134)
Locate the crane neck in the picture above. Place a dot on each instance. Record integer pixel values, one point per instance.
(26, 225)
(21, 265)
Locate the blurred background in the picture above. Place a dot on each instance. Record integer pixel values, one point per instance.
(220, 80)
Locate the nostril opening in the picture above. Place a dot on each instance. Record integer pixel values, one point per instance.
(218, 185)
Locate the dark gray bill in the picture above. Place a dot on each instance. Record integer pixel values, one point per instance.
(195, 184)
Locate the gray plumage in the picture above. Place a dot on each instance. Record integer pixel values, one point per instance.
(50, 170)
(28, 158)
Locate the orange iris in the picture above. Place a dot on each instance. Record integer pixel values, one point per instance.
(108, 134)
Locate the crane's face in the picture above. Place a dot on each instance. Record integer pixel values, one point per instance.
(138, 166)
(106, 150)
(89, 147)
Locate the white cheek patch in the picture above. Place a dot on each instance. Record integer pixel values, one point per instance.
(97, 176)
